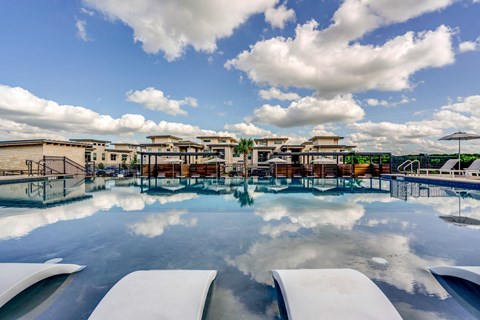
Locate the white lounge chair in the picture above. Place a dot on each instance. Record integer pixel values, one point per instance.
(332, 294)
(471, 274)
(16, 277)
(157, 294)
(473, 169)
(446, 168)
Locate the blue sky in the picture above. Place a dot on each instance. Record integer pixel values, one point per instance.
(388, 75)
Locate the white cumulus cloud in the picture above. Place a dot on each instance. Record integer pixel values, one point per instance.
(26, 115)
(469, 46)
(274, 93)
(250, 130)
(155, 99)
(388, 103)
(332, 61)
(279, 16)
(310, 111)
(171, 26)
(332, 68)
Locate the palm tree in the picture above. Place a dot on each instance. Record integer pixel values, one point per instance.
(245, 146)
(244, 198)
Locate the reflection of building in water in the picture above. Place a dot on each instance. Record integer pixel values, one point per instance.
(42, 194)
(403, 190)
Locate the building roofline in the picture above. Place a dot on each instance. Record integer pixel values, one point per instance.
(324, 137)
(218, 137)
(40, 141)
(272, 138)
(93, 140)
(126, 143)
(164, 136)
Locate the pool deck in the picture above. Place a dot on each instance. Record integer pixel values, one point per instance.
(445, 180)
(27, 178)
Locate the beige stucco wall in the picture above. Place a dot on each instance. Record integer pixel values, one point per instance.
(14, 157)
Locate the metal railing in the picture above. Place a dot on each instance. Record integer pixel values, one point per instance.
(406, 167)
(56, 165)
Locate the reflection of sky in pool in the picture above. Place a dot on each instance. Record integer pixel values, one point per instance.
(243, 232)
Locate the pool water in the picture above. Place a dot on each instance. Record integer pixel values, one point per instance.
(390, 231)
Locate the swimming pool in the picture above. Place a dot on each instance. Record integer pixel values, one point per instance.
(391, 231)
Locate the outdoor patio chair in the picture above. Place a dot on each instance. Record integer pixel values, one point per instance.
(473, 170)
(157, 294)
(446, 168)
(305, 294)
(16, 277)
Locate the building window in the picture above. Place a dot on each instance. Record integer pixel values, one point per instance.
(149, 149)
(103, 156)
(113, 157)
(175, 149)
(168, 149)
(208, 140)
(124, 157)
(249, 156)
(263, 156)
(94, 156)
(277, 142)
(223, 141)
(159, 149)
(236, 155)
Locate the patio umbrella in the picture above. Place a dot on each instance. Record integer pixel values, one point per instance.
(275, 161)
(323, 160)
(216, 160)
(460, 136)
(173, 161)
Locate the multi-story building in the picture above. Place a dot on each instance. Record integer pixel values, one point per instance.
(265, 148)
(121, 153)
(175, 145)
(97, 151)
(224, 145)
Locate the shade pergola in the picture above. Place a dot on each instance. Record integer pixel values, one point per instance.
(275, 161)
(322, 161)
(216, 160)
(173, 161)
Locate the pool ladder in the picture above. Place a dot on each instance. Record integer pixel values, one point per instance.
(406, 167)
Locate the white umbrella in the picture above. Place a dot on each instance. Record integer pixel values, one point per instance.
(460, 136)
(323, 160)
(275, 161)
(216, 160)
(173, 161)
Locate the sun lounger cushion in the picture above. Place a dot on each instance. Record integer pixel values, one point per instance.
(157, 294)
(332, 294)
(16, 277)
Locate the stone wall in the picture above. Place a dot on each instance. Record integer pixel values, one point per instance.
(14, 157)
(74, 153)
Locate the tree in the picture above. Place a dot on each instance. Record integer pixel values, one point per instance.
(245, 146)
(244, 198)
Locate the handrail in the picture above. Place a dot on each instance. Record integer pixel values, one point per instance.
(404, 163)
(411, 166)
(402, 168)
